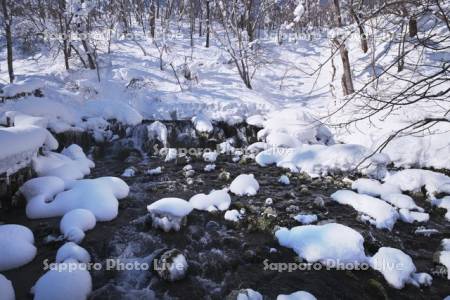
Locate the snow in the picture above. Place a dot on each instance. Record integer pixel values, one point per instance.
(232, 215)
(178, 268)
(215, 200)
(158, 131)
(401, 201)
(71, 250)
(209, 168)
(27, 85)
(155, 171)
(300, 295)
(16, 246)
(47, 187)
(374, 188)
(202, 124)
(299, 11)
(249, 294)
(129, 172)
(414, 179)
(255, 120)
(210, 156)
(244, 185)
(284, 180)
(329, 243)
(397, 268)
(320, 160)
(413, 216)
(379, 213)
(305, 219)
(168, 213)
(70, 281)
(6, 289)
(99, 195)
(75, 223)
(171, 154)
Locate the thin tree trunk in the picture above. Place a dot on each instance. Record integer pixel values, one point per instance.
(152, 19)
(364, 45)
(208, 23)
(8, 34)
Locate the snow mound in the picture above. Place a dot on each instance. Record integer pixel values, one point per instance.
(210, 156)
(215, 200)
(413, 216)
(233, 215)
(284, 180)
(379, 213)
(155, 171)
(71, 250)
(16, 246)
(99, 195)
(47, 187)
(202, 124)
(128, 172)
(169, 213)
(397, 268)
(244, 185)
(249, 294)
(76, 153)
(113, 109)
(75, 223)
(209, 168)
(374, 188)
(414, 179)
(171, 154)
(28, 85)
(300, 295)
(255, 120)
(306, 219)
(329, 243)
(401, 201)
(443, 203)
(320, 160)
(69, 281)
(297, 126)
(6, 289)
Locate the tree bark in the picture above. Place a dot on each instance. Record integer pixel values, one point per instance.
(9, 49)
(208, 24)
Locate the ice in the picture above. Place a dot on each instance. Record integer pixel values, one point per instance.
(414, 179)
(75, 223)
(69, 281)
(244, 185)
(6, 289)
(169, 213)
(329, 243)
(16, 246)
(284, 180)
(158, 131)
(202, 123)
(306, 219)
(232, 215)
(397, 268)
(381, 214)
(99, 195)
(300, 295)
(215, 200)
(413, 216)
(210, 156)
(71, 250)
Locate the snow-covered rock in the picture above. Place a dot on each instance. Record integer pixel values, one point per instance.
(210, 156)
(209, 168)
(233, 215)
(75, 223)
(300, 295)
(6, 289)
(374, 188)
(306, 219)
(129, 172)
(413, 216)
(46, 187)
(397, 268)
(202, 124)
(244, 185)
(158, 131)
(172, 265)
(155, 171)
(71, 250)
(284, 180)
(169, 213)
(255, 120)
(215, 200)
(414, 179)
(248, 294)
(171, 154)
(379, 213)
(443, 203)
(99, 195)
(329, 243)
(16, 246)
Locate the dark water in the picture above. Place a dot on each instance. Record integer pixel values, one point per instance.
(225, 256)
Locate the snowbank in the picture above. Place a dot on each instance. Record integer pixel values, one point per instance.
(398, 268)
(16, 246)
(379, 213)
(244, 185)
(215, 200)
(329, 244)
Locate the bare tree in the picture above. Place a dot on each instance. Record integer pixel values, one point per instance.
(7, 20)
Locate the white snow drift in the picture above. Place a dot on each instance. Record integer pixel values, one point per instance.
(75, 223)
(16, 246)
(244, 185)
(215, 200)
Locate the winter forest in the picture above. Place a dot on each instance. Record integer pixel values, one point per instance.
(224, 149)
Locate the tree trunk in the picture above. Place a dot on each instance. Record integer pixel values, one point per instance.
(9, 49)
(152, 19)
(208, 23)
(362, 33)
